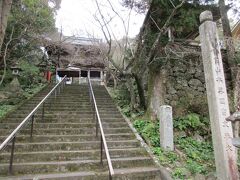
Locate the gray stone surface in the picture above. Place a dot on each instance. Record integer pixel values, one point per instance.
(166, 127)
(195, 83)
(224, 151)
(206, 15)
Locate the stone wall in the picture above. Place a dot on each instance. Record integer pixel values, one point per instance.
(185, 85)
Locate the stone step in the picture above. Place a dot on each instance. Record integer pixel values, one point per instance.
(70, 137)
(65, 131)
(51, 120)
(59, 106)
(53, 167)
(60, 119)
(50, 115)
(67, 101)
(64, 144)
(49, 112)
(77, 103)
(140, 173)
(66, 94)
(63, 110)
(64, 125)
(71, 146)
(71, 155)
(70, 166)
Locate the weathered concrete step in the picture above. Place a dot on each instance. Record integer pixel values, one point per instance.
(58, 115)
(30, 104)
(55, 146)
(112, 119)
(138, 173)
(104, 98)
(70, 166)
(106, 101)
(53, 138)
(83, 115)
(87, 175)
(101, 95)
(61, 108)
(71, 155)
(51, 156)
(57, 106)
(64, 125)
(70, 110)
(65, 95)
(141, 173)
(67, 101)
(50, 112)
(129, 162)
(56, 119)
(65, 131)
(53, 167)
(70, 138)
(59, 119)
(78, 120)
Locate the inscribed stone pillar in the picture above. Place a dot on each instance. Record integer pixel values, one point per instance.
(105, 77)
(101, 78)
(79, 77)
(166, 127)
(88, 74)
(224, 151)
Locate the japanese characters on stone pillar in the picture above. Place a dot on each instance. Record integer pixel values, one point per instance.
(224, 151)
(166, 127)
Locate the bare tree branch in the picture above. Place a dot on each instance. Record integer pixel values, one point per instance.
(162, 31)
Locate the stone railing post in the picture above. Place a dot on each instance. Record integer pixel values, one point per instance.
(222, 134)
(166, 127)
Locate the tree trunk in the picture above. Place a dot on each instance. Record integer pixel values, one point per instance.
(140, 91)
(156, 92)
(130, 85)
(237, 101)
(227, 36)
(230, 60)
(5, 7)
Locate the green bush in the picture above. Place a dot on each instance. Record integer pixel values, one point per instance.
(195, 167)
(190, 121)
(165, 157)
(29, 92)
(179, 173)
(198, 156)
(149, 130)
(122, 98)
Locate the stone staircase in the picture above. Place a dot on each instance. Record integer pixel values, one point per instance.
(64, 145)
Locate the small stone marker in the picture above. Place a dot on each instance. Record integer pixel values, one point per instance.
(166, 127)
(224, 151)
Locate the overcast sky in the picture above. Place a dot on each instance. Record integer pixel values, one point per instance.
(76, 17)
